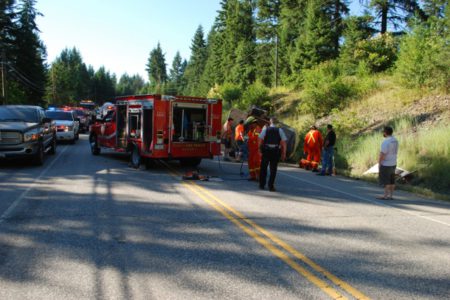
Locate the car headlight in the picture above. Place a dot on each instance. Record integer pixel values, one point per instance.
(69, 128)
(31, 136)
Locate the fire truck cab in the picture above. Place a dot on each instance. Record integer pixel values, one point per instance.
(152, 127)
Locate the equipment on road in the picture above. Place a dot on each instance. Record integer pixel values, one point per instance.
(152, 127)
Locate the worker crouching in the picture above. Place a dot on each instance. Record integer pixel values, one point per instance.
(312, 148)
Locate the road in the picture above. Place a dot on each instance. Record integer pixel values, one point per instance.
(90, 227)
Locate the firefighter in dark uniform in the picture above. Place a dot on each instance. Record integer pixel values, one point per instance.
(273, 147)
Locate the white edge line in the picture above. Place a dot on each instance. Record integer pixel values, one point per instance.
(366, 200)
(22, 196)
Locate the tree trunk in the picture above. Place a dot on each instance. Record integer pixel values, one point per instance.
(384, 17)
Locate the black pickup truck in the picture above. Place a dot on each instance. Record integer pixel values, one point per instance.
(25, 132)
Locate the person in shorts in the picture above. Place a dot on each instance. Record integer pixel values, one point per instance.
(387, 162)
(227, 135)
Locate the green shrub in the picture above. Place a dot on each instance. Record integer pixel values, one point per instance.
(424, 59)
(324, 89)
(378, 53)
(256, 94)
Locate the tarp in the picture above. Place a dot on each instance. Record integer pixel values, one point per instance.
(263, 119)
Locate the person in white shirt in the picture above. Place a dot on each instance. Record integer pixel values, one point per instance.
(387, 162)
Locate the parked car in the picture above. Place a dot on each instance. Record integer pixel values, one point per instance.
(25, 131)
(67, 124)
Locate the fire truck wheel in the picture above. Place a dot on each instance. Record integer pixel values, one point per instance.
(190, 162)
(135, 159)
(95, 149)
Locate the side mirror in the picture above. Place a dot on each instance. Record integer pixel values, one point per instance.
(46, 120)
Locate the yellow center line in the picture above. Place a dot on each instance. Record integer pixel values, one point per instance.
(339, 282)
(277, 252)
(196, 189)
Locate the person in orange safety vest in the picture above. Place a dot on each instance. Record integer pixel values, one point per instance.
(312, 147)
(254, 155)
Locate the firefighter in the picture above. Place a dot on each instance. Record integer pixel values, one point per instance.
(312, 148)
(254, 155)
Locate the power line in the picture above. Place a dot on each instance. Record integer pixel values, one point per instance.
(24, 79)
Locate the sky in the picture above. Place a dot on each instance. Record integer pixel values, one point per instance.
(119, 34)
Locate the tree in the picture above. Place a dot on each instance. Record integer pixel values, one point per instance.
(29, 67)
(267, 25)
(156, 68)
(104, 85)
(292, 18)
(316, 42)
(357, 29)
(239, 35)
(129, 85)
(196, 64)
(395, 12)
(69, 79)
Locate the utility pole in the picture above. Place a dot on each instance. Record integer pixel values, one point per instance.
(276, 60)
(3, 70)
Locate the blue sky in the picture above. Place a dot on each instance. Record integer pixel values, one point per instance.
(119, 34)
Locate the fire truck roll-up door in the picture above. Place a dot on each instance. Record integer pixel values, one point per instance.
(122, 131)
(147, 120)
(189, 122)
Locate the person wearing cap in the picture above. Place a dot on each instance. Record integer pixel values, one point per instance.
(312, 147)
(254, 156)
(226, 138)
(272, 141)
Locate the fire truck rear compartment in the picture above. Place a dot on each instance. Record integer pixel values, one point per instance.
(189, 124)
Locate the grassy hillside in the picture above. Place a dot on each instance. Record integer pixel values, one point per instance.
(421, 122)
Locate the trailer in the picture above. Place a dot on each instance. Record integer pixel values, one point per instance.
(151, 127)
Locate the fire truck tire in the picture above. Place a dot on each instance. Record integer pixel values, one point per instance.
(190, 162)
(135, 158)
(95, 149)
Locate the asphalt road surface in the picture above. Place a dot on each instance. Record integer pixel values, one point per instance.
(90, 227)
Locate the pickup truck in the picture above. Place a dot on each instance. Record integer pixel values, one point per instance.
(25, 132)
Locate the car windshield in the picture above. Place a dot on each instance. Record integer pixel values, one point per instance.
(15, 113)
(60, 115)
(79, 112)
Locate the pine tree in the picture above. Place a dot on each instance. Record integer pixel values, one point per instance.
(316, 42)
(29, 62)
(156, 68)
(69, 78)
(176, 76)
(292, 18)
(7, 27)
(129, 85)
(104, 85)
(196, 64)
(394, 12)
(239, 32)
(357, 29)
(267, 26)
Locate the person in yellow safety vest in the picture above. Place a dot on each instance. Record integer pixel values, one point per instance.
(254, 155)
(312, 148)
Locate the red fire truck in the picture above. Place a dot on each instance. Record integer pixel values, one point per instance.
(152, 127)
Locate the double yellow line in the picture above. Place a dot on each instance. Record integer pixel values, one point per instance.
(275, 244)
